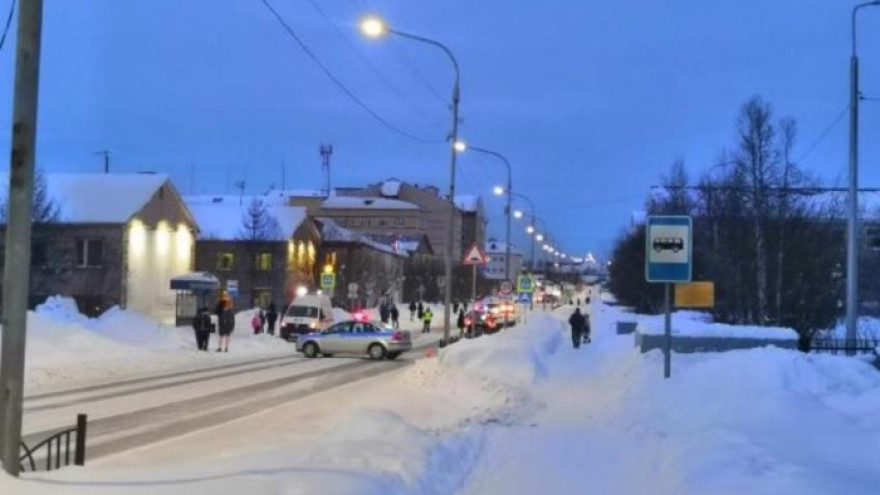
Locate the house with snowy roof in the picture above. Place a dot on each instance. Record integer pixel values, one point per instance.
(375, 268)
(259, 247)
(470, 220)
(110, 239)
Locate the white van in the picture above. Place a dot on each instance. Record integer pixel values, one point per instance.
(308, 313)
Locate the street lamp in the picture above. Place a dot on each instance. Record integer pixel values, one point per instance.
(852, 231)
(498, 190)
(460, 146)
(375, 27)
(530, 229)
(540, 238)
(517, 214)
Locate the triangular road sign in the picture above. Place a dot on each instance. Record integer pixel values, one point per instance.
(474, 256)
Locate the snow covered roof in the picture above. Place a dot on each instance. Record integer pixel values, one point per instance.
(498, 247)
(297, 193)
(220, 217)
(98, 198)
(406, 243)
(468, 203)
(333, 232)
(390, 188)
(355, 202)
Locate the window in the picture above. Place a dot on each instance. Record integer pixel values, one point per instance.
(225, 261)
(401, 222)
(263, 262)
(382, 222)
(39, 253)
(89, 252)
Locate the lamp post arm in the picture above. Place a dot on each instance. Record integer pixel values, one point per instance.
(446, 50)
(855, 12)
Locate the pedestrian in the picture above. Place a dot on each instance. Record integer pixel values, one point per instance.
(412, 311)
(586, 334)
(427, 317)
(225, 325)
(421, 310)
(455, 307)
(577, 322)
(578, 301)
(271, 318)
(262, 320)
(461, 323)
(255, 322)
(383, 313)
(202, 326)
(395, 317)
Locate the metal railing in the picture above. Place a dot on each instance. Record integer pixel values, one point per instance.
(57, 449)
(841, 346)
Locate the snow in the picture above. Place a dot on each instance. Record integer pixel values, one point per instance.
(66, 348)
(357, 202)
(333, 232)
(867, 328)
(521, 412)
(98, 198)
(390, 188)
(696, 324)
(221, 217)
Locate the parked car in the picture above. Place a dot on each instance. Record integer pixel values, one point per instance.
(483, 322)
(355, 337)
(307, 313)
(500, 308)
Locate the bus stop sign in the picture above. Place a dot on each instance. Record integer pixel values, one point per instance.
(669, 253)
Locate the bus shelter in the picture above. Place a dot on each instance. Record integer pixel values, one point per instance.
(193, 290)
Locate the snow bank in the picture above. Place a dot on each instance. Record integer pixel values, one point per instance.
(696, 324)
(867, 328)
(516, 356)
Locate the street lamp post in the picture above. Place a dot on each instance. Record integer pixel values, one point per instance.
(374, 28)
(509, 210)
(852, 232)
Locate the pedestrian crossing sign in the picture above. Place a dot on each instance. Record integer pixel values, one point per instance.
(525, 284)
(328, 281)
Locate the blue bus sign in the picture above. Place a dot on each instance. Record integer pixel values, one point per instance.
(669, 249)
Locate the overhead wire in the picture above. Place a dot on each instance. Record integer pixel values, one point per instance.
(823, 135)
(339, 84)
(8, 24)
(366, 60)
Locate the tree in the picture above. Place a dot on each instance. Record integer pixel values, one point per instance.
(258, 224)
(45, 209)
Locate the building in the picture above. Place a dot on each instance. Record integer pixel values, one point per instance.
(366, 270)
(496, 254)
(375, 215)
(260, 248)
(470, 222)
(111, 239)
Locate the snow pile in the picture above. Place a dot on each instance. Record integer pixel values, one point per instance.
(516, 356)
(697, 324)
(868, 328)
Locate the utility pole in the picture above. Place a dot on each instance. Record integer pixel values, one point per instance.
(18, 230)
(326, 152)
(106, 154)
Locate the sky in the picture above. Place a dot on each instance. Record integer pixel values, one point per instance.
(590, 101)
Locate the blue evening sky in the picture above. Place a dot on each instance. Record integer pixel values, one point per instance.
(591, 101)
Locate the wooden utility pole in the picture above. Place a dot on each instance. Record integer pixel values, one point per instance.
(18, 230)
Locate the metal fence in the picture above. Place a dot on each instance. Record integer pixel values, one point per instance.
(842, 346)
(56, 450)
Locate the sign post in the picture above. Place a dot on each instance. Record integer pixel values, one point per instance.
(669, 260)
(473, 257)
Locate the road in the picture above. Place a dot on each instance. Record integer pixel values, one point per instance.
(131, 413)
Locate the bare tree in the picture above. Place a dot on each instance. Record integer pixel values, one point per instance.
(258, 224)
(45, 209)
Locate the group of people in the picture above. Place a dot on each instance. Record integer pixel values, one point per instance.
(388, 312)
(263, 318)
(580, 328)
(204, 326)
(424, 314)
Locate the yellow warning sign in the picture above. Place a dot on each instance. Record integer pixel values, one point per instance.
(695, 295)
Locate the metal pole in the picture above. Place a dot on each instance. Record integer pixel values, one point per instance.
(509, 213)
(447, 311)
(18, 230)
(667, 344)
(474, 294)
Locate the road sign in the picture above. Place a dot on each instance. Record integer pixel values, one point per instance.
(232, 287)
(328, 281)
(474, 256)
(525, 284)
(506, 288)
(695, 295)
(668, 245)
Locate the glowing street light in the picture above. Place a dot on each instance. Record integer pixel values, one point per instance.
(373, 27)
(460, 146)
(498, 190)
(517, 214)
(530, 229)
(539, 238)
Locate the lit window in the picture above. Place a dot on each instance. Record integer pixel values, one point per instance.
(225, 261)
(89, 252)
(263, 262)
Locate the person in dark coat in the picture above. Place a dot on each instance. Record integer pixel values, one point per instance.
(202, 326)
(271, 318)
(262, 320)
(395, 317)
(225, 325)
(383, 312)
(421, 310)
(455, 307)
(461, 322)
(578, 323)
(412, 311)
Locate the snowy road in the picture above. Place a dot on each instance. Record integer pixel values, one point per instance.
(130, 413)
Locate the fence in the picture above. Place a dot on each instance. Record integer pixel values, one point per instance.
(55, 446)
(841, 346)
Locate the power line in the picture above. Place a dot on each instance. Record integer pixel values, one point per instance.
(8, 23)
(339, 83)
(407, 62)
(823, 135)
(366, 60)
